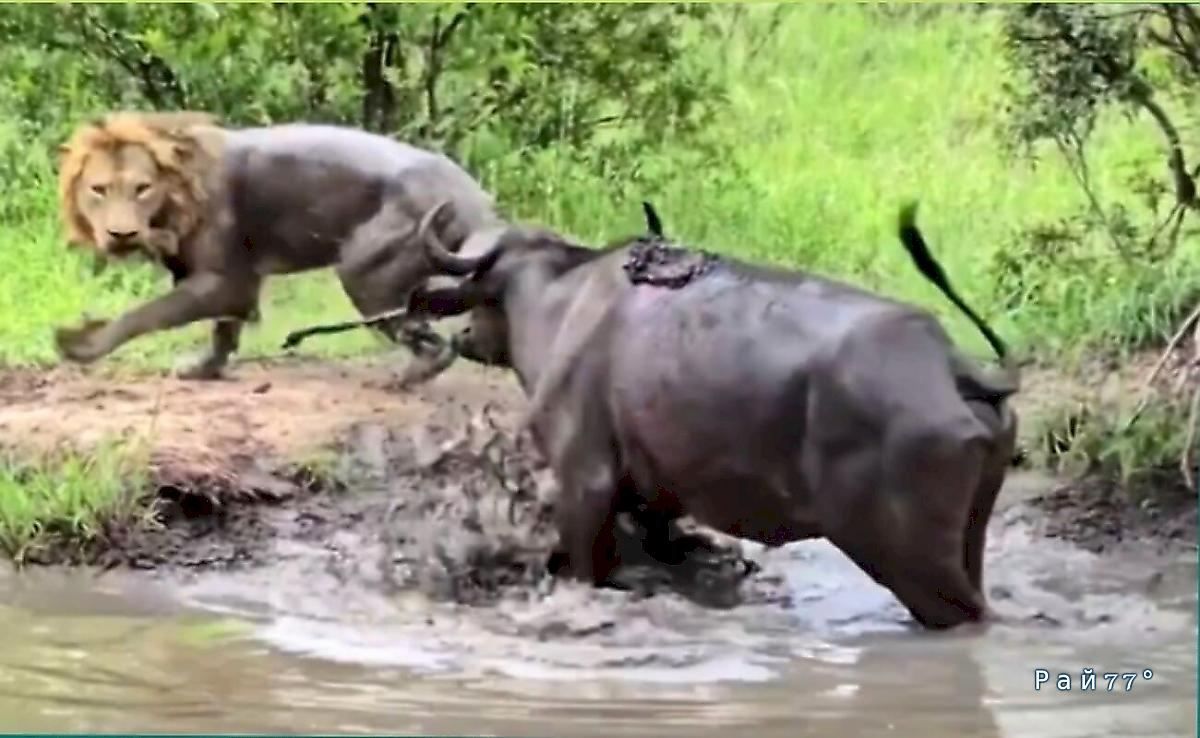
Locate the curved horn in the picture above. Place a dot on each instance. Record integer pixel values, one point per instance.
(442, 258)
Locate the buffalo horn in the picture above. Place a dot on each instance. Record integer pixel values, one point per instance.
(439, 255)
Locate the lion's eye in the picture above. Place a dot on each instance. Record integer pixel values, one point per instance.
(99, 190)
(141, 189)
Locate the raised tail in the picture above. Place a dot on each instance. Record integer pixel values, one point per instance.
(653, 222)
(915, 244)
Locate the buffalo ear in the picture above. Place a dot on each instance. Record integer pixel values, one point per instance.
(443, 302)
(653, 223)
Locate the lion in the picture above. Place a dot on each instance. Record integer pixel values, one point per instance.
(222, 208)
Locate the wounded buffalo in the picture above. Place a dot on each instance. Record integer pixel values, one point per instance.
(772, 405)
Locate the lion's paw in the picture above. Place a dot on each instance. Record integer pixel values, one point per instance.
(204, 368)
(81, 344)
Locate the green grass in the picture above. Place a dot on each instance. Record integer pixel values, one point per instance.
(42, 285)
(844, 115)
(65, 496)
(839, 118)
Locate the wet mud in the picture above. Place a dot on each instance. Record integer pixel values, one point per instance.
(1096, 515)
(656, 262)
(429, 484)
(399, 584)
(456, 507)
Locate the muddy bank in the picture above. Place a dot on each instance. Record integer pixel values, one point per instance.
(435, 493)
(1096, 514)
(428, 488)
(1090, 407)
(279, 409)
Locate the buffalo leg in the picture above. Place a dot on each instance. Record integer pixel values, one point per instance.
(932, 585)
(940, 475)
(1003, 425)
(586, 520)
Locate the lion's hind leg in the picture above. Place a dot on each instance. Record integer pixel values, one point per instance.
(226, 335)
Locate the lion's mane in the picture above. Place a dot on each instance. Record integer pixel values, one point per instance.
(185, 145)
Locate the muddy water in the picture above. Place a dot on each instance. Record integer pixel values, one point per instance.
(317, 645)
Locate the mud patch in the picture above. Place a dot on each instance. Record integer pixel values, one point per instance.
(470, 517)
(457, 508)
(278, 409)
(655, 263)
(1095, 510)
(434, 494)
(1096, 515)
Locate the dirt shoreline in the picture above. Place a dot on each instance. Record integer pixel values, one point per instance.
(431, 479)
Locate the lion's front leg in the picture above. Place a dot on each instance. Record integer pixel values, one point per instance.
(198, 297)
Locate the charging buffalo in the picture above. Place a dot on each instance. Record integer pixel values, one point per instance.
(769, 404)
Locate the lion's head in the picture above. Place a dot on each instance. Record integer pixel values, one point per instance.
(138, 181)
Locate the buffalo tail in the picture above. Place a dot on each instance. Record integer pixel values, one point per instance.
(915, 244)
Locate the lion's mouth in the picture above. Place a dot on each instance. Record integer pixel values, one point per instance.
(122, 247)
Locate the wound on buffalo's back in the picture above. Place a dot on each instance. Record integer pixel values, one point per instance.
(653, 262)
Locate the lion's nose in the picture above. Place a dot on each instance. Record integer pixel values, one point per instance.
(121, 235)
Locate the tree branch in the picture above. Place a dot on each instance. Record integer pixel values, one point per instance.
(145, 68)
(1140, 93)
(439, 38)
(1182, 47)
(379, 96)
(1077, 163)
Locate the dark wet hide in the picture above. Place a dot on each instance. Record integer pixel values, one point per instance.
(655, 262)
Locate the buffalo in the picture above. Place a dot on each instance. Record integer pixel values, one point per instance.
(772, 405)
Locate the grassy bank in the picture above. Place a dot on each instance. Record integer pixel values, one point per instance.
(65, 497)
(836, 116)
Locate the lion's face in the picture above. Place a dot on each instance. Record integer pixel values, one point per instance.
(138, 181)
(120, 193)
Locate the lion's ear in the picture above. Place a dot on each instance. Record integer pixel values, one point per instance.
(169, 154)
(180, 151)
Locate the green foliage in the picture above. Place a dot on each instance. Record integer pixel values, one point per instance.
(1077, 59)
(64, 496)
(1096, 438)
(1074, 64)
(1075, 68)
(474, 79)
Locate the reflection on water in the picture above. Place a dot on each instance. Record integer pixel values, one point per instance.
(311, 652)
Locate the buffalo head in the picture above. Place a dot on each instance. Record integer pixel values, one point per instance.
(508, 270)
